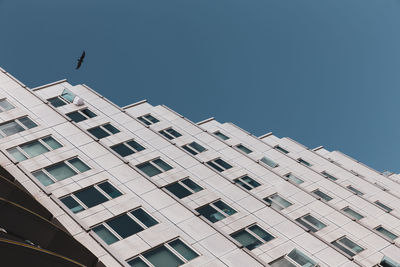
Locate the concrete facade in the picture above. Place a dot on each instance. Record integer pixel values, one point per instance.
(299, 206)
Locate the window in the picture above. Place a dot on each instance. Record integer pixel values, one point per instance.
(60, 171)
(327, 175)
(294, 179)
(34, 148)
(247, 182)
(148, 119)
(383, 206)
(123, 226)
(388, 262)
(194, 148)
(183, 188)
(216, 211)
(386, 233)
(90, 197)
(221, 135)
(293, 259)
(277, 202)
(81, 115)
(103, 131)
(65, 98)
(170, 133)
(172, 254)
(311, 223)
(219, 165)
(302, 161)
(322, 195)
(281, 149)
(347, 246)
(354, 190)
(5, 105)
(352, 213)
(244, 149)
(127, 148)
(16, 126)
(269, 162)
(252, 237)
(154, 167)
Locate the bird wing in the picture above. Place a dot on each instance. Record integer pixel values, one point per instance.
(82, 56)
(79, 64)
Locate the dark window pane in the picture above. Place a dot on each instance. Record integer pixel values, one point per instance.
(225, 208)
(244, 185)
(52, 142)
(166, 135)
(306, 225)
(353, 213)
(327, 175)
(145, 218)
(98, 132)
(246, 239)
(148, 169)
(178, 190)
(282, 262)
(350, 244)
(135, 145)
(10, 128)
(192, 185)
(122, 150)
(109, 189)
(173, 132)
(105, 234)
(137, 262)
(281, 149)
(151, 118)
(144, 121)
(250, 181)
(261, 233)
(88, 113)
(224, 164)
(56, 102)
(216, 167)
(210, 213)
(221, 135)
(162, 164)
(60, 171)
(111, 128)
(183, 249)
(27, 122)
(197, 147)
(244, 149)
(90, 197)
(76, 116)
(342, 248)
(72, 204)
(162, 257)
(383, 206)
(322, 195)
(77, 163)
(386, 233)
(124, 226)
(188, 149)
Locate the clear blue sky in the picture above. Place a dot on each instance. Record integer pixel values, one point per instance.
(321, 72)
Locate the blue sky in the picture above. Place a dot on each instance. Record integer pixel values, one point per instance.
(321, 72)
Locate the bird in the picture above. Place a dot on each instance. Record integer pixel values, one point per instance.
(80, 60)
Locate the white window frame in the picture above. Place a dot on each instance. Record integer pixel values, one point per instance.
(4, 110)
(185, 186)
(241, 179)
(18, 147)
(309, 223)
(277, 203)
(348, 248)
(83, 114)
(217, 209)
(3, 135)
(154, 165)
(223, 168)
(190, 147)
(148, 120)
(103, 128)
(165, 132)
(253, 234)
(291, 178)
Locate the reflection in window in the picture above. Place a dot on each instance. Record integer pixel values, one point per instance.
(15, 126)
(216, 211)
(252, 237)
(34, 148)
(183, 188)
(103, 131)
(154, 167)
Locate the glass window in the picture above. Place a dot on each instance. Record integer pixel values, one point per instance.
(162, 256)
(383, 206)
(347, 246)
(170, 133)
(352, 213)
(219, 165)
(68, 95)
(124, 226)
(386, 233)
(137, 262)
(221, 135)
(103, 131)
(322, 195)
(5, 105)
(302, 161)
(127, 148)
(10, 128)
(90, 196)
(51, 142)
(311, 223)
(183, 249)
(110, 190)
(244, 149)
(355, 190)
(194, 148)
(105, 234)
(77, 163)
(72, 204)
(160, 163)
(388, 262)
(60, 171)
(277, 202)
(183, 188)
(76, 116)
(252, 237)
(145, 218)
(135, 145)
(43, 178)
(33, 148)
(17, 154)
(269, 162)
(192, 185)
(293, 259)
(111, 128)
(56, 102)
(28, 123)
(330, 177)
(247, 182)
(148, 119)
(88, 113)
(281, 149)
(294, 179)
(149, 169)
(216, 211)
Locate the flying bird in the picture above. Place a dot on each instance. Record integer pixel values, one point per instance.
(80, 60)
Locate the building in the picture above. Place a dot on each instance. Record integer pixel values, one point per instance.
(143, 186)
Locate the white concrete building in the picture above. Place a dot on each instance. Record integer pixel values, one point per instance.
(143, 186)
